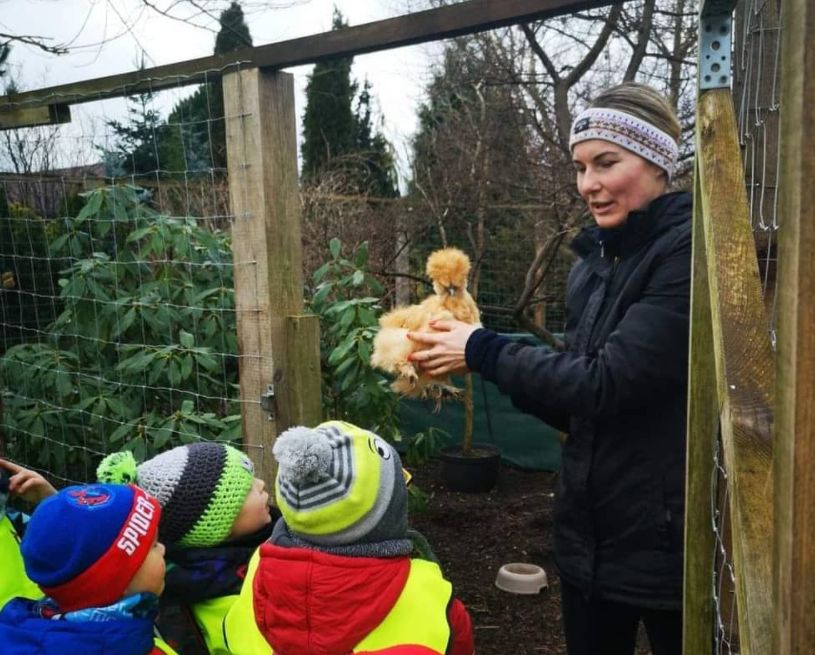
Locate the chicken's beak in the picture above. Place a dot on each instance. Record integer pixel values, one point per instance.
(452, 290)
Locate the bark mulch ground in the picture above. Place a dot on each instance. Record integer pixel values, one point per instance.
(474, 534)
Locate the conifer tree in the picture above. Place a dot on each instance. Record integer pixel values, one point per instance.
(328, 122)
(196, 139)
(233, 35)
(5, 49)
(137, 140)
(340, 136)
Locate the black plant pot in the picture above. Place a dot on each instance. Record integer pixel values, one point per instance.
(474, 472)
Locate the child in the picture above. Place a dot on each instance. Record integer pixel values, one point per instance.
(32, 488)
(339, 574)
(216, 514)
(93, 551)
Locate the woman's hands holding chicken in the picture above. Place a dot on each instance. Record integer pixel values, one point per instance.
(444, 348)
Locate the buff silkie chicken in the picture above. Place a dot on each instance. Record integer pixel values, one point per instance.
(448, 269)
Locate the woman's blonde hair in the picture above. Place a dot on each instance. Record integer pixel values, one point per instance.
(642, 101)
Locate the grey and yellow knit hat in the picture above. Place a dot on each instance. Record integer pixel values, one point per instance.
(338, 484)
(201, 488)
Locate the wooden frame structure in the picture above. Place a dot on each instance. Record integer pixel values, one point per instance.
(771, 474)
(279, 346)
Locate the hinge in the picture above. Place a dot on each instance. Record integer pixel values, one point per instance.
(714, 51)
(267, 402)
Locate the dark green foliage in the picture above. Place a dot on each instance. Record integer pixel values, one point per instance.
(346, 299)
(28, 273)
(186, 145)
(5, 50)
(329, 125)
(338, 137)
(137, 150)
(193, 139)
(143, 353)
(233, 35)
(378, 172)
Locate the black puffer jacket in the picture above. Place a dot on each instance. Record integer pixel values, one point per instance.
(620, 392)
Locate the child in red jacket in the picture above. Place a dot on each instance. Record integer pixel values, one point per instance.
(339, 574)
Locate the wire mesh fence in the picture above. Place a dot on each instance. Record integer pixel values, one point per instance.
(118, 318)
(118, 321)
(117, 328)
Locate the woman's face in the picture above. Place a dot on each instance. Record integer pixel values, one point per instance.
(614, 181)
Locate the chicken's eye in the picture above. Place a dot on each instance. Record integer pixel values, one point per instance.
(380, 447)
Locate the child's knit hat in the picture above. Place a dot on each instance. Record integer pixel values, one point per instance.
(84, 545)
(201, 487)
(338, 484)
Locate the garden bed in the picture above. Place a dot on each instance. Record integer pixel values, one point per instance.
(474, 534)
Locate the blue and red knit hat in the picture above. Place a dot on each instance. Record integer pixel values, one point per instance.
(84, 545)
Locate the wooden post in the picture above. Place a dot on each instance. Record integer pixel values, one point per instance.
(794, 583)
(744, 363)
(279, 349)
(703, 430)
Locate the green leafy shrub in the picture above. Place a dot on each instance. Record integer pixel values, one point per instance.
(346, 298)
(142, 355)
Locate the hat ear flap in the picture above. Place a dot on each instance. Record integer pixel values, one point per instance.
(118, 468)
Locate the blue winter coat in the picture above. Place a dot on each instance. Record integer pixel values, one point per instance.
(23, 632)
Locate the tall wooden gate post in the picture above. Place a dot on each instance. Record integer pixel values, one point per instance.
(279, 347)
(794, 554)
(703, 431)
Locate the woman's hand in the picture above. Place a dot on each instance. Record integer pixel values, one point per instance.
(444, 349)
(27, 484)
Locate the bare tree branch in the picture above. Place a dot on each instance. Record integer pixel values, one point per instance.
(643, 36)
(35, 41)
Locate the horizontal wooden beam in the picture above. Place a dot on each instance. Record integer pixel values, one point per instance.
(745, 368)
(420, 27)
(33, 116)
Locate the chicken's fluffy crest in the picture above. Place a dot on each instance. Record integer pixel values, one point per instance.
(448, 267)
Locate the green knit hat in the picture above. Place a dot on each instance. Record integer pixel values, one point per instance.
(201, 488)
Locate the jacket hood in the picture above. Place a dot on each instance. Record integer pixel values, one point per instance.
(642, 226)
(24, 632)
(312, 603)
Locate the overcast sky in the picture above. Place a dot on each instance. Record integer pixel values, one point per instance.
(108, 36)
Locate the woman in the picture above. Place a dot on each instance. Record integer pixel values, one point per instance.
(620, 388)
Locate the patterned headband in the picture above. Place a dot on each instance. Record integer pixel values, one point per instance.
(629, 132)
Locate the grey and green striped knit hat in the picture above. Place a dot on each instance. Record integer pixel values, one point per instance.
(338, 484)
(201, 488)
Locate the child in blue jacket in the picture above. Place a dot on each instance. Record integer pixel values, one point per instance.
(94, 553)
(215, 515)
